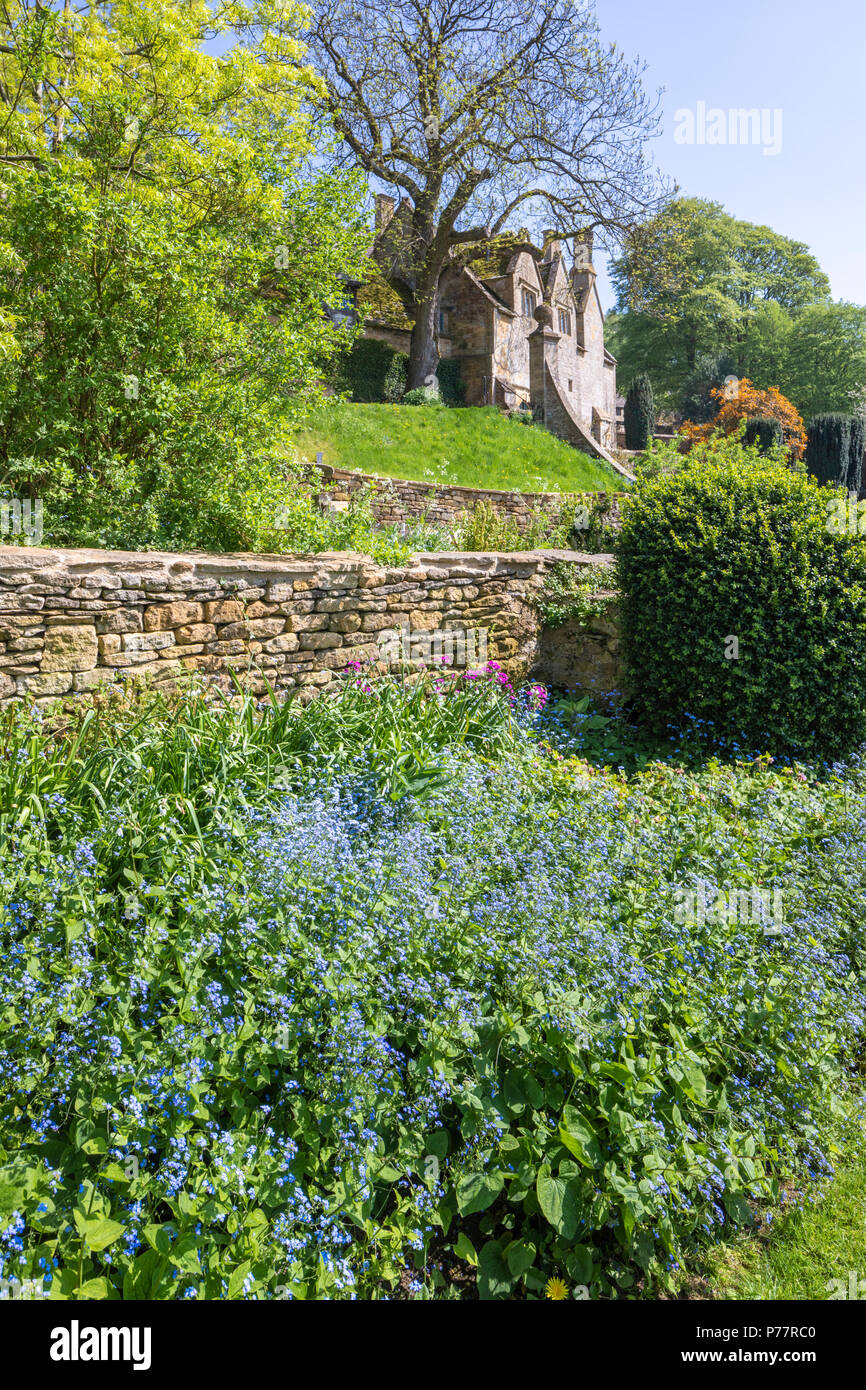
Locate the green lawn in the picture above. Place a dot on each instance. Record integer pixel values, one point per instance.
(799, 1254)
(474, 447)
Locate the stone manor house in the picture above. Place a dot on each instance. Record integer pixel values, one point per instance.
(527, 329)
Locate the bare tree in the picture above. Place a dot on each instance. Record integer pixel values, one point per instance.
(473, 109)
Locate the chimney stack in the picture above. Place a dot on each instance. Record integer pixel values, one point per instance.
(583, 252)
(552, 244)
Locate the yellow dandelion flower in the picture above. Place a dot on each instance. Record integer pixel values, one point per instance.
(556, 1288)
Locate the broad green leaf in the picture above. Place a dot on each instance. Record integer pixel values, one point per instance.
(478, 1191)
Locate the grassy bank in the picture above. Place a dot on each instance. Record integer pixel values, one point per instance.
(469, 447)
(812, 1247)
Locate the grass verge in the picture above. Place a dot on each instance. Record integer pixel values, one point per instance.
(472, 447)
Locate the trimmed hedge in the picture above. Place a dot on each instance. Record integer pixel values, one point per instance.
(372, 372)
(451, 385)
(639, 414)
(764, 431)
(828, 448)
(728, 550)
(855, 454)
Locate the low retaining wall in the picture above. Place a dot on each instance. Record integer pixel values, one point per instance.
(71, 620)
(444, 504)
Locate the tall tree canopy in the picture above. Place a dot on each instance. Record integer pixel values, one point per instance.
(163, 262)
(472, 109)
(825, 365)
(693, 280)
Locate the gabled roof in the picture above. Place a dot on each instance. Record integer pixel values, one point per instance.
(490, 260)
(487, 292)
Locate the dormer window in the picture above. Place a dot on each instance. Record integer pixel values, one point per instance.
(565, 322)
(529, 302)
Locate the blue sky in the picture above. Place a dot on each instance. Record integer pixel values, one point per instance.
(807, 60)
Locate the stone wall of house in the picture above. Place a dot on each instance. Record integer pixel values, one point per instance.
(74, 620)
(397, 499)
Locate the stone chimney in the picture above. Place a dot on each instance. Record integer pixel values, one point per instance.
(583, 277)
(552, 245)
(583, 253)
(384, 210)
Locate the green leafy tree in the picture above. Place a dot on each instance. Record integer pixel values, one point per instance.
(165, 260)
(825, 365)
(697, 401)
(690, 281)
(472, 109)
(764, 350)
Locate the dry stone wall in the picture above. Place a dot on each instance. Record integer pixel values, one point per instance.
(396, 499)
(72, 620)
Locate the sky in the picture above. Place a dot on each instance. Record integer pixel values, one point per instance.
(804, 59)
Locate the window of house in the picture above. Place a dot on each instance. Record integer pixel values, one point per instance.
(570, 384)
(442, 321)
(529, 302)
(565, 322)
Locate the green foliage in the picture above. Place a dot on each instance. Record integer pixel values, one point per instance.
(576, 593)
(371, 371)
(451, 385)
(763, 431)
(165, 263)
(639, 415)
(824, 369)
(696, 402)
(423, 395)
(741, 607)
(854, 481)
(485, 527)
(693, 280)
(828, 449)
(695, 285)
(573, 526)
(817, 1249)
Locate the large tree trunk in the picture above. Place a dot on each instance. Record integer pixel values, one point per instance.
(424, 342)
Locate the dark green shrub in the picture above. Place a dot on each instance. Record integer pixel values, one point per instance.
(742, 609)
(450, 380)
(828, 448)
(639, 416)
(855, 454)
(764, 431)
(372, 372)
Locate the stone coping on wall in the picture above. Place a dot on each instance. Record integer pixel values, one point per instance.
(72, 620)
